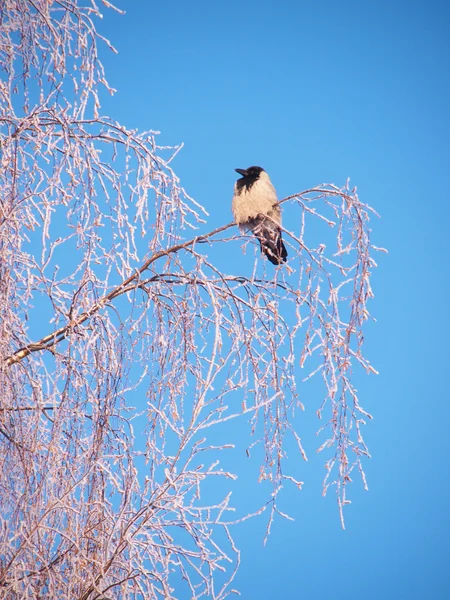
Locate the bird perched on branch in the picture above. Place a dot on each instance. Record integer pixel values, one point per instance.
(255, 208)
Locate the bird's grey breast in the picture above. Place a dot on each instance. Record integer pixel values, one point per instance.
(249, 202)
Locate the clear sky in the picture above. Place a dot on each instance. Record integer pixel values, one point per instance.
(317, 92)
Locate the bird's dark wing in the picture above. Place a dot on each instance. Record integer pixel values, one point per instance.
(270, 239)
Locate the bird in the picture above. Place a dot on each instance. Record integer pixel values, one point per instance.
(255, 208)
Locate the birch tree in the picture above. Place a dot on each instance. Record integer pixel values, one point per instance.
(125, 348)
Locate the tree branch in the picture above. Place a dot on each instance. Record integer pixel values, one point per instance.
(54, 338)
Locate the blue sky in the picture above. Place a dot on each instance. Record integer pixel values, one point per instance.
(318, 92)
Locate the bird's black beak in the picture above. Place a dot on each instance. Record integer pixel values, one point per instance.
(242, 172)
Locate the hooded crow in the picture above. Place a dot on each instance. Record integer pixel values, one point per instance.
(255, 208)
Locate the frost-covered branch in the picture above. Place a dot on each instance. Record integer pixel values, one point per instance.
(112, 440)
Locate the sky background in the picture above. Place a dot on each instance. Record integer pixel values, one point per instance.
(317, 92)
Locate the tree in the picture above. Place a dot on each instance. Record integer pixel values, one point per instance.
(125, 346)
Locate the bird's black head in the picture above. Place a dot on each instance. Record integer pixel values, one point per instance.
(249, 177)
(251, 172)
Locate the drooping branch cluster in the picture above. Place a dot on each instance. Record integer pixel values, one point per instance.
(127, 347)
